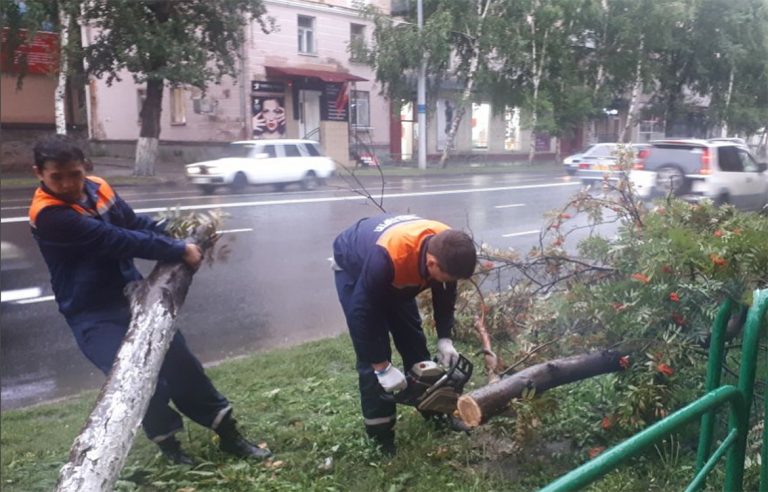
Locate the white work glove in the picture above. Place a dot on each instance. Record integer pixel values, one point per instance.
(446, 354)
(391, 379)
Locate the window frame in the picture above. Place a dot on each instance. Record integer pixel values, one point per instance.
(356, 39)
(141, 96)
(307, 44)
(354, 105)
(178, 112)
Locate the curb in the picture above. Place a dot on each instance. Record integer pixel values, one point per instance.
(114, 181)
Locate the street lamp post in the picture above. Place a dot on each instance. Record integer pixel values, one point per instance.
(421, 95)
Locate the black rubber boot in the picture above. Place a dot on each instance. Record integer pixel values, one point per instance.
(385, 442)
(232, 442)
(171, 449)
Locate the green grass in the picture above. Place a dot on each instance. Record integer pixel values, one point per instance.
(30, 182)
(303, 402)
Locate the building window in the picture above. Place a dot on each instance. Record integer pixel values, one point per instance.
(141, 96)
(357, 42)
(306, 34)
(178, 106)
(511, 128)
(481, 119)
(359, 109)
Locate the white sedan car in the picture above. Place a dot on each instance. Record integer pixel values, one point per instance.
(255, 162)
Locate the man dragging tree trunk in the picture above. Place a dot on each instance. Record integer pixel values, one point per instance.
(88, 237)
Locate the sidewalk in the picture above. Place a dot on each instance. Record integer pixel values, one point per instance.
(119, 172)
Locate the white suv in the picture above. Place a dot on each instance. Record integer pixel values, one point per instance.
(723, 171)
(254, 162)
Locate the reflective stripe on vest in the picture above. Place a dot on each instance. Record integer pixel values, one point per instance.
(105, 198)
(403, 244)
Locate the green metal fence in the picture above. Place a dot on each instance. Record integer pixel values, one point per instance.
(738, 398)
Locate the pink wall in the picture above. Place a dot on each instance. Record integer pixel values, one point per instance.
(117, 106)
(33, 103)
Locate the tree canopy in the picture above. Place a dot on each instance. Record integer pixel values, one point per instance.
(700, 61)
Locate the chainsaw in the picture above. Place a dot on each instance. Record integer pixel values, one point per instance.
(433, 389)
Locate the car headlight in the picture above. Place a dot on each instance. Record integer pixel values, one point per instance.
(193, 170)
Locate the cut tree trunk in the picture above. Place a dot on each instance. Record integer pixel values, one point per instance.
(98, 454)
(480, 405)
(146, 146)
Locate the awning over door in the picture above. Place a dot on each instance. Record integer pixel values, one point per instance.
(324, 75)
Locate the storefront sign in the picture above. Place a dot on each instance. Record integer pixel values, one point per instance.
(335, 102)
(42, 53)
(267, 86)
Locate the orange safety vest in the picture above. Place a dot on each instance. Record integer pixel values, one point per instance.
(105, 198)
(403, 244)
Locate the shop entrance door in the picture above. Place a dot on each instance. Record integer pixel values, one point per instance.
(309, 117)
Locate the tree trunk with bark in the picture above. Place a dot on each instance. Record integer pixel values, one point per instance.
(631, 118)
(60, 95)
(480, 405)
(98, 454)
(146, 146)
(728, 96)
(461, 106)
(538, 58)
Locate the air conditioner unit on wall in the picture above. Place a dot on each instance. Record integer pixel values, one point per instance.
(205, 105)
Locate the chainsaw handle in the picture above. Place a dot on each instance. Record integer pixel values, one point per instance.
(399, 397)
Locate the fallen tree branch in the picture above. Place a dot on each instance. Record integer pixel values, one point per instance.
(491, 360)
(477, 407)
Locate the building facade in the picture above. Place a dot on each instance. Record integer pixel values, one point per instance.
(299, 81)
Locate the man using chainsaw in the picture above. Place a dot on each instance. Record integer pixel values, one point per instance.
(381, 263)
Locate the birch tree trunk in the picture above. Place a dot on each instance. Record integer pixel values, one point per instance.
(724, 128)
(98, 454)
(599, 77)
(474, 63)
(635, 92)
(480, 405)
(538, 69)
(60, 94)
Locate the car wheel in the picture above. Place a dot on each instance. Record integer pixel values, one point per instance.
(722, 199)
(309, 181)
(671, 180)
(207, 189)
(239, 182)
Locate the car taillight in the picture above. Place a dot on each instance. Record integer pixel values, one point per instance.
(583, 165)
(705, 162)
(642, 155)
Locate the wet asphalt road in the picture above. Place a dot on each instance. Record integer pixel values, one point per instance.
(275, 289)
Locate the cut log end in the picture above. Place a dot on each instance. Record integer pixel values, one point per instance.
(469, 411)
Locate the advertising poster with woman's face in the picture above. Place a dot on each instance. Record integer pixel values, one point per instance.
(268, 117)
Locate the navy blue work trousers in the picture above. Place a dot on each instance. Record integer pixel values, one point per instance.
(182, 378)
(404, 325)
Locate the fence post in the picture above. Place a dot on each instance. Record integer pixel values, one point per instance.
(734, 469)
(714, 371)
